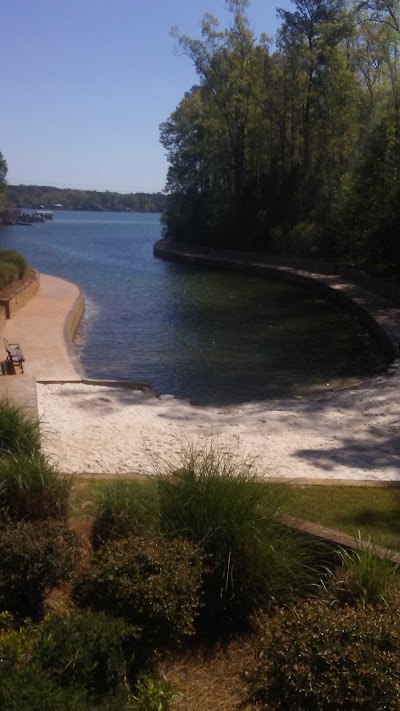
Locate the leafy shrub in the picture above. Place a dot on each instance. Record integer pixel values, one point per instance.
(124, 508)
(29, 689)
(88, 650)
(19, 432)
(34, 558)
(216, 501)
(31, 488)
(10, 256)
(15, 643)
(152, 694)
(317, 657)
(8, 274)
(151, 582)
(363, 578)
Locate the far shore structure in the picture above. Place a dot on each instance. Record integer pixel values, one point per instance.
(95, 427)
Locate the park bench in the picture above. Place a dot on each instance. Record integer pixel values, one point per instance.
(14, 354)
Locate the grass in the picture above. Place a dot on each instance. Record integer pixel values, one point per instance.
(372, 512)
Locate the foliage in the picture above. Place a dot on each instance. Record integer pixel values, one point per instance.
(10, 256)
(87, 650)
(31, 488)
(363, 577)
(19, 432)
(35, 196)
(124, 508)
(29, 689)
(8, 274)
(34, 558)
(299, 143)
(152, 694)
(151, 582)
(215, 500)
(318, 657)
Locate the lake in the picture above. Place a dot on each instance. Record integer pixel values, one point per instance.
(210, 336)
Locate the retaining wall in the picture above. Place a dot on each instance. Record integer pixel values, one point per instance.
(377, 313)
(20, 296)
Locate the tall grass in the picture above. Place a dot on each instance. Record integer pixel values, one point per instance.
(124, 508)
(215, 499)
(31, 488)
(19, 432)
(363, 578)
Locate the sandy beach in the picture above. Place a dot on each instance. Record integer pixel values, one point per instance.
(349, 434)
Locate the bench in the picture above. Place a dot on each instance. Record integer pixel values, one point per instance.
(14, 354)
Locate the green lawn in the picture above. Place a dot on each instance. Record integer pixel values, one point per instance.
(373, 512)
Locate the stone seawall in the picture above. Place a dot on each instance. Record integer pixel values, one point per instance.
(376, 313)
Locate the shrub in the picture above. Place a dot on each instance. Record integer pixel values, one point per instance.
(31, 488)
(19, 432)
(124, 508)
(317, 657)
(29, 689)
(151, 582)
(34, 558)
(8, 274)
(10, 256)
(363, 578)
(216, 501)
(152, 694)
(88, 650)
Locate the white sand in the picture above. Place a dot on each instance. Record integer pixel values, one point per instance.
(348, 434)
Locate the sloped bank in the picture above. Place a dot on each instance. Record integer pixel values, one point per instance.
(376, 313)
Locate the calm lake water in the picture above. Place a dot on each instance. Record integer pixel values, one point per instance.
(215, 337)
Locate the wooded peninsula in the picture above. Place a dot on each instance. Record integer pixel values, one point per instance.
(292, 146)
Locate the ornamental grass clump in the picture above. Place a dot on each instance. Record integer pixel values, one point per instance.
(215, 499)
(14, 258)
(31, 488)
(363, 578)
(124, 508)
(19, 431)
(318, 657)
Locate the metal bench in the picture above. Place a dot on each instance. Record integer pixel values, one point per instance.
(14, 354)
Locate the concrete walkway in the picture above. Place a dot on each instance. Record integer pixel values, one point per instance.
(43, 328)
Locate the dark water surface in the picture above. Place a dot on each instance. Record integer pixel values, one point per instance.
(215, 337)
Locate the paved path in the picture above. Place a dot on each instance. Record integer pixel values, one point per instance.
(41, 327)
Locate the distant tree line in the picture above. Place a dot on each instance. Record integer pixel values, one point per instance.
(34, 196)
(296, 149)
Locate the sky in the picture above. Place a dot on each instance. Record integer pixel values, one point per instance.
(85, 84)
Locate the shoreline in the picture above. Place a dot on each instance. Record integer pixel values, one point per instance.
(102, 428)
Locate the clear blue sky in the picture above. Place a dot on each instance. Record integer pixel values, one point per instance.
(85, 84)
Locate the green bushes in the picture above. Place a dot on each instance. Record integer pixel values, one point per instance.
(19, 432)
(29, 689)
(31, 488)
(215, 500)
(151, 582)
(89, 651)
(317, 657)
(124, 508)
(34, 558)
(13, 258)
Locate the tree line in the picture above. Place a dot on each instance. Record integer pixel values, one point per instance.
(293, 149)
(34, 196)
